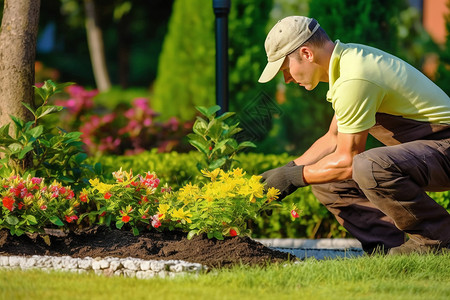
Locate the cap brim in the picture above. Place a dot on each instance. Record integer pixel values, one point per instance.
(271, 69)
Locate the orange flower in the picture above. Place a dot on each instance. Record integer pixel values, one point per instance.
(126, 219)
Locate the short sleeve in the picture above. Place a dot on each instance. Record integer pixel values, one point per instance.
(355, 103)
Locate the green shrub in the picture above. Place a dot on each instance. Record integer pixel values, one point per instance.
(186, 71)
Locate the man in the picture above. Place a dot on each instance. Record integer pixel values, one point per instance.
(377, 195)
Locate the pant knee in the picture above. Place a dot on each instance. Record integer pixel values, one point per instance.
(363, 172)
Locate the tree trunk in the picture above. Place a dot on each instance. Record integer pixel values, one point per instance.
(124, 50)
(18, 34)
(96, 49)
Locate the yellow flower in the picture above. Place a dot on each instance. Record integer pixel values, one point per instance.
(211, 174)
(104, 187)
(272, 194)
(162, 210)
(182, 215)
(94, 182)
(238, 173)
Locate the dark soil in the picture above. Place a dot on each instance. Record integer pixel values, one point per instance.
(102, 242)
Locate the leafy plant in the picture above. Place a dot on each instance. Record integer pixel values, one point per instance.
(132, 201)
(224, 205)
(127, 128)
(29, 205)
(41, 150)
(214, 138)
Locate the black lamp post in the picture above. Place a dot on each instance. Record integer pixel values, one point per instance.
(221, 10)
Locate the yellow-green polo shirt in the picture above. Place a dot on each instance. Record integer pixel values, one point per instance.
(364, 80)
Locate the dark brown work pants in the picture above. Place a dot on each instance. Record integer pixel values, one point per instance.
(387, 197)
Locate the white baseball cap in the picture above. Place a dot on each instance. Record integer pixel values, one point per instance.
(287, 35)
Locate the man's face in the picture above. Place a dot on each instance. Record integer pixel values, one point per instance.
(300, 68)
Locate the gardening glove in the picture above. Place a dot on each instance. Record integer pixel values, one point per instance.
(287, 179)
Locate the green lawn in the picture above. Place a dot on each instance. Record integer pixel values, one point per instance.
(414, 277)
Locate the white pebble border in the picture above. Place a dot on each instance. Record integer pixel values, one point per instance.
(109, 266)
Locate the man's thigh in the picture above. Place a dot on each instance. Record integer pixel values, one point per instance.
(427, 163)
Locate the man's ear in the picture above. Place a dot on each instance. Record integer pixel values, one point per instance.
(306, 53)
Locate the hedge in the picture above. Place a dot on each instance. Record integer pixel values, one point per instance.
(180, 168)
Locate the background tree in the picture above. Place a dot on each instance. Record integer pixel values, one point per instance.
(18, 35)
(96, 47)
(186, 72)
(443, 76)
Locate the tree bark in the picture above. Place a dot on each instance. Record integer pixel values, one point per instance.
(18, 34)
(96, 49)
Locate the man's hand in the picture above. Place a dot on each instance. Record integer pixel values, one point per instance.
(287, 179)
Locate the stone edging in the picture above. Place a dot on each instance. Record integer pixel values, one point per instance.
(109, 266)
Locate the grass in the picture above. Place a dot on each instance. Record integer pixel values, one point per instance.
(378, 277)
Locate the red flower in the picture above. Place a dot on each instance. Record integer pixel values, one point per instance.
(102, 214)
(294, 214)
(83, 197)
(107, 195)
(44, 207)
(20, 205)
(126, 219)
(233, 232)
(8, 203)
(70, 219)
(70, 195)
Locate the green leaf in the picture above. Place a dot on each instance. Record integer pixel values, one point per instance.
(12, 220)
(57, 221)
(15, 147)
(203, 110)
(24, 151)
(119, 224)
(47, 109)
(80, 157)
(217, 163)
(200, 126)
(19, 123)
(210, 235)
(31, 219)
(4, 131)
(135, 231)
(29, 108)
(74, 135)
(220, 145)
(225, 116)
(245, 145)
(212, 110)
(218, 235)
(191, 234)
(202, 148)
(36, 131)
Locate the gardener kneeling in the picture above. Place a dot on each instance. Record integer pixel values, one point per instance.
(377, 195)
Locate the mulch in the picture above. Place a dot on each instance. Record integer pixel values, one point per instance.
(103, 242)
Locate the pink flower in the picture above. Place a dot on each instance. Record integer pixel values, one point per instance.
(294, 214)
(36, 180)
